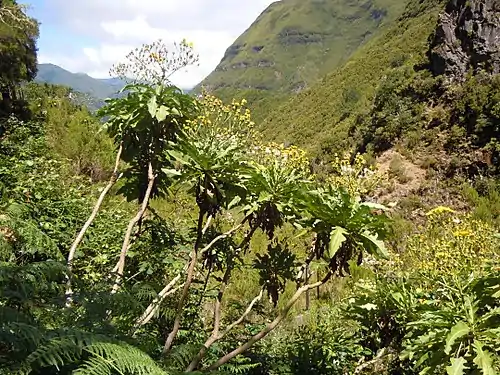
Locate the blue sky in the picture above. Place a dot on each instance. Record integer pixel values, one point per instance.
(91, 35)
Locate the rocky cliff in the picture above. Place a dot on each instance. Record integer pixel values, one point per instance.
(467, 37)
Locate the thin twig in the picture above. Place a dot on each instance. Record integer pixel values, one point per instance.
(88, 223)
(132, 223)
(187, 284)
(271, 326)
(151, 310)
(212, 339)
(220, 237)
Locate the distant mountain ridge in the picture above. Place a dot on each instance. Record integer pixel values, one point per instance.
(97, 88)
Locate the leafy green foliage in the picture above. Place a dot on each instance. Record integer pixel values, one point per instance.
(383, 317)
(143, 123)
(459, 321)
(18, 33)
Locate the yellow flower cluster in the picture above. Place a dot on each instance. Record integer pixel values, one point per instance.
(291, 157)
(358, 178)
(224, 120)
(451, 242)
(187, 44)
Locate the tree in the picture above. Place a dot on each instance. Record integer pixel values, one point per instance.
(144, 123)
(18, 52)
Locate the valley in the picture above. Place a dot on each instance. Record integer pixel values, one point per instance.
(326, 201)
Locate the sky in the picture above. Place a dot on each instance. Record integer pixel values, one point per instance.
(89, 36)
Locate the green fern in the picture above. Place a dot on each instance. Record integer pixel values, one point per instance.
(108, 358)
(180, 356)
(29, 238)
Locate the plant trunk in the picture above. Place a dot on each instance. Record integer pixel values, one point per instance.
(88, 223)
(132, 223)
(218, 302)
(187, 285)
(271, 326)
(216, 336)
(155, 305)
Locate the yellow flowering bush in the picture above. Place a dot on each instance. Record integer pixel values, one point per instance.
(450, 242)
(358, 178)
(287, 157)
(222, 121)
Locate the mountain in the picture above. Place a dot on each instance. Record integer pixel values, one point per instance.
(293, 43)
(97, 88)
(326, 118)
(429, 82)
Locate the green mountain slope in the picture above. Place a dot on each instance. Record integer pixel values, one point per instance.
(327, 117)
(295, 42)
(98, 88)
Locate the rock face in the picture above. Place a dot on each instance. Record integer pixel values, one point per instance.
(467, 37)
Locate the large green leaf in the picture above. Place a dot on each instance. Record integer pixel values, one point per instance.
(162, 113)
(497, 293)
(457, 331)
(374, 206)
(483, 359)
(152, 106)
(373, 245)
(337, 238)
(457, 366)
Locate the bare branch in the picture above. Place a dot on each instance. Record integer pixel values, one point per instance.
(214, 338)
(220, 237)
(271, 326)
(218, 302)
(243, 316)
(132, 223)
(88, 223)
(187, 285)
(194, 258)
(155, 305)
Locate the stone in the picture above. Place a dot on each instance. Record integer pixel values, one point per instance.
(467, 38)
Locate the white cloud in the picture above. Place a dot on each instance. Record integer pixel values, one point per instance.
(118, 26)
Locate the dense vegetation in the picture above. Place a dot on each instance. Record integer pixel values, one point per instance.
(164, 235)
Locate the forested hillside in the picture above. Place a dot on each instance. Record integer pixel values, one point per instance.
(166, 234)
(292, 44)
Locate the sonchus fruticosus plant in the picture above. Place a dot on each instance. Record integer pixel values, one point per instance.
(456, 329)
(144, 123)
(270, 185)
(343, 227)
(210, 162)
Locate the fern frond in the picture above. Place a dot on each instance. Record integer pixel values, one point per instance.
(29, 238)
(25, 283)
(58, 352)
(62, 347)
(238, 367)
(94, 366)
(120, 357)
(11, 315)
(181, 356)
(21, 336)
